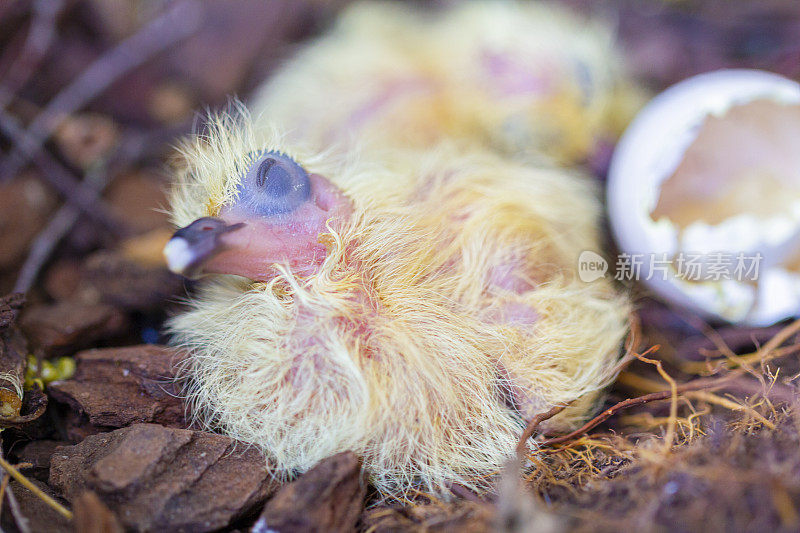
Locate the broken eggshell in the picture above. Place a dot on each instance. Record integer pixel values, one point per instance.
(710, 169)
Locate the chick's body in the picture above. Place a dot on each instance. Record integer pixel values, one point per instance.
(443, 313)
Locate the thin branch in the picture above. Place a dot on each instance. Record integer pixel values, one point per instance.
(673, 405)
(532, 425)
(177, 23)
(40, 37)
(75, 191)
(711, 398)
(698, 384)
(782, 336)
(770, 350)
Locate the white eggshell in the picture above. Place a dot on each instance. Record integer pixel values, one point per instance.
(650, 151)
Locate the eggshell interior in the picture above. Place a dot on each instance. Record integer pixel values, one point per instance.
(712, 165)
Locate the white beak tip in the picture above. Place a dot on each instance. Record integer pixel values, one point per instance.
(178, 255)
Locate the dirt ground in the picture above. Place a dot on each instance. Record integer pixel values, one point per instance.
(701, 432)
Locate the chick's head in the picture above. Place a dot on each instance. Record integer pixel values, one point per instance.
(245, 203)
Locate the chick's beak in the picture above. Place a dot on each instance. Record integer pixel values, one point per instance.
(190, 248)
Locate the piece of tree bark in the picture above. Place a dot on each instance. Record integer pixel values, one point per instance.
(65, 327)
(92, 515)
(17, 407)
(165, 479)
(117, 387)
(329, 497)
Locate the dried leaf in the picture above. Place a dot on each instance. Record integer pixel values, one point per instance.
(32, 406)
(16, 406)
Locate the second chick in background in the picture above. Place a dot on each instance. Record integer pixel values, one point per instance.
(529, 79)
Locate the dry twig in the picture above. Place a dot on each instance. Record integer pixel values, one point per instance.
(177, 23)
(673, 405)
(40, 37)
(532, 425)
(770, 350)
(76, 192)
(697, 384)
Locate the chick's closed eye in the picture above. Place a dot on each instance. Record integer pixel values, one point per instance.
(274, 184)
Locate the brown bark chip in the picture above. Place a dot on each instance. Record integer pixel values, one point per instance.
(38, 516)
(17, 407)
(92, 516)
(63, 327)
(110, 277)
(10, 306)
(329, 497)
(462, 516)
(13, 351)
(117, 387)
(164, 479)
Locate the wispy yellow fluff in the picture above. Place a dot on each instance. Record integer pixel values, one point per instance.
(520, 77)
(399, 348)
(448, 310)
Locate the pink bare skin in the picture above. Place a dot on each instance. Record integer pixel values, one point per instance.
(246, 243)
(291, 239)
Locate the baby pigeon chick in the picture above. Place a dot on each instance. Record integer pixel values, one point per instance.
(416, 308)
(519, 78)
(534, 77)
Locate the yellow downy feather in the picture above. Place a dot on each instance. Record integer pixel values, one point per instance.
(407, 345)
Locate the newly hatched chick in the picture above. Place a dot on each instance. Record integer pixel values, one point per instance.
(533, 77)
(414, 306)
(519, 78)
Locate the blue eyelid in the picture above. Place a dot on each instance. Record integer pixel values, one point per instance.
(274, 184)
